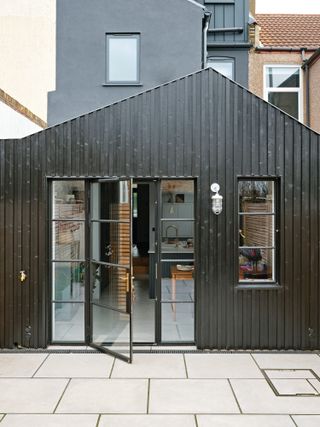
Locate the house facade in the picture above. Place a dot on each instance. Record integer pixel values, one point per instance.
(227, 192)
(108, 51)
(283, 45)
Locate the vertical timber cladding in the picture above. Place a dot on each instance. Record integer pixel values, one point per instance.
(202, 126)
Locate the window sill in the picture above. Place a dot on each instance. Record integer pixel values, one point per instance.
(258, 286)
(122, 84)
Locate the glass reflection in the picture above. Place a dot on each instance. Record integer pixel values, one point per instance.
(68, 280)
(256, 264)
(109, 286)
(110, 200)
(177, 322)
(68, 322)
(68, 200)
(256, 196)
(68, 240)
(111, 329)
(111, 242)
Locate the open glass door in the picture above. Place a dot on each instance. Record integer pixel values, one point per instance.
(110, 267)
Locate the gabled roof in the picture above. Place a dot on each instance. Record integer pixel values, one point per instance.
(289, 30)
(15, 105)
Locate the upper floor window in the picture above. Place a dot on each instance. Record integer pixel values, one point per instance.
(223, 65)
(122, 58)
(282, 88)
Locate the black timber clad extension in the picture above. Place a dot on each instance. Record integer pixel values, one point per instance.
(202, 126)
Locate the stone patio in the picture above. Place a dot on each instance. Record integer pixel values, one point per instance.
(159, 390)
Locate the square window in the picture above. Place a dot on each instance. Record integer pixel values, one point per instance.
(282, 88)
(122, 58)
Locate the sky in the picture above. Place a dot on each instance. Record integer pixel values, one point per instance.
(288, 6)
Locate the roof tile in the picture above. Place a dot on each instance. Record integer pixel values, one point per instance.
(289, 30)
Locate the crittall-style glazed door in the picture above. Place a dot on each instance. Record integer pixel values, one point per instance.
(111, 267)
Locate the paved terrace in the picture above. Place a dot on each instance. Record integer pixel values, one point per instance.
(159, 390)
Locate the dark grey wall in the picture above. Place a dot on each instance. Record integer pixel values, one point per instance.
(229, 14)
(202, 126)
(240, 57)
(171, 46)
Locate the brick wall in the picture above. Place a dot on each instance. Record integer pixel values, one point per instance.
(257, 60)
(315, 96)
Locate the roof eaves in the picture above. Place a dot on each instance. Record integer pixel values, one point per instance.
(309, 62)
(21, 109)
(195, 3)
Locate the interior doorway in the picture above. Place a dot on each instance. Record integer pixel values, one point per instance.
(163, 261)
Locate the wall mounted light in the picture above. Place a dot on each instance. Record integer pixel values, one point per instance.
(216, 199)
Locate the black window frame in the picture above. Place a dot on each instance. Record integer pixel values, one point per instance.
(263, 283)
(109, 82)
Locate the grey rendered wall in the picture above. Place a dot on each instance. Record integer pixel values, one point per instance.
(171, 46)
(240, 57)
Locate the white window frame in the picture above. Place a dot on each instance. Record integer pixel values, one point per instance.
(122, 82)
(298, 90)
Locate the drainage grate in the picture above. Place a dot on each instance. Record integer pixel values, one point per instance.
(293, 382)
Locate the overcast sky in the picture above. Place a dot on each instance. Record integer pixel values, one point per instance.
(288, 6)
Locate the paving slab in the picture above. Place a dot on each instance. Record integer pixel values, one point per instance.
(307, 420)
(191, 397)
(151, 366)
(20, 365)
(288, 361)
(257, 397)
(76, 365)
(293, 386)
(316, 384)
(87, 396)
(222, 366)
(244, 421)
(49, 420)
(147, 421)
(30, 395)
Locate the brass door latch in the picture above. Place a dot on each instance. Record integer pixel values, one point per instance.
(22, 276)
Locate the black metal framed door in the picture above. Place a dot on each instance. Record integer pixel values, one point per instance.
(111, 267)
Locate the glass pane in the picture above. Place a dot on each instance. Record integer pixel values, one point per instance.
(223, 67)
(177, 236)
(122, 59)
(68, 280)
(68, 240)
(286, 101)
(177, 199)
(177, 281)
(110, 286)
(256, 264)
(143, 312)
(68, 322)
(256, 230)
(111, 200)
(282, 77)
(111, 242)
(177, 322)
(256, 196)
(111, 329)
(68, 200)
